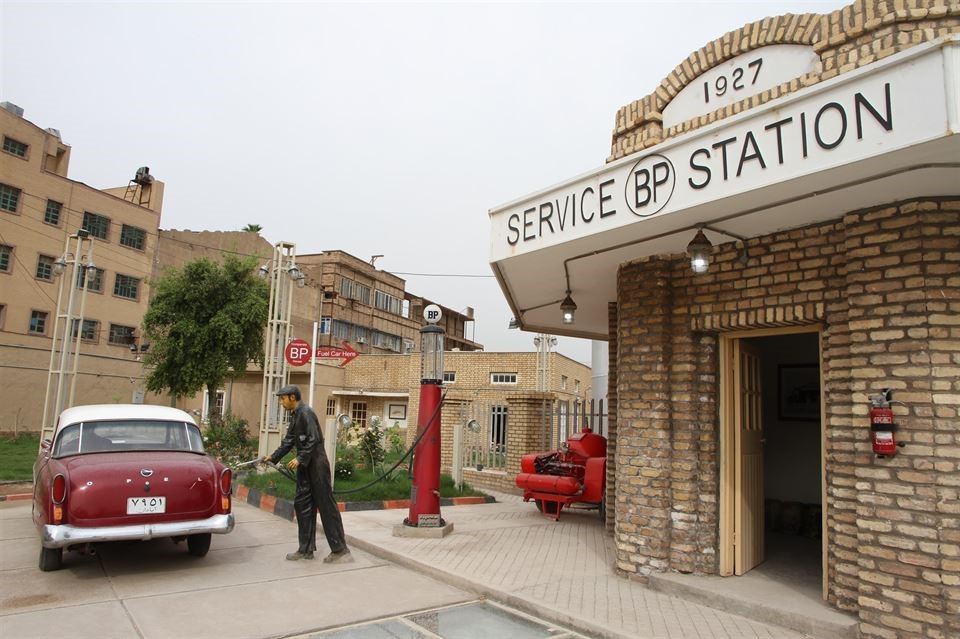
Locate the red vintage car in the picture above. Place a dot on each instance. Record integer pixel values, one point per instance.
(127, 472)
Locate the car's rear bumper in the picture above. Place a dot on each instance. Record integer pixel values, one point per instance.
(65, 535)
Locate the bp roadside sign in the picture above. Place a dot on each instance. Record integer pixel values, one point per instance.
(297, 352)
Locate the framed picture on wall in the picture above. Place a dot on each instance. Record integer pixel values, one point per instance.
(397, 411)
(798, 392)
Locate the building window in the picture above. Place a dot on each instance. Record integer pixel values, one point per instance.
(38, 322)
(218, 404)
(6, 258)
(358, 413)
(9, 197)
(354, 291)
(498, 429)
(503, 378)
(576, 386)
(3, 314)
(135, 238)
(408, 345)
(97, 225)
(449, 377)
(331, 406)
(88, 332)
(563, 382)
(361, 334)
(387, 341)
(324, 325)
(126, 287)
(15, 147)
(121, 335)
(52, 214)
(45, 268)
(341, 330)
(387, 302)
(96, 280)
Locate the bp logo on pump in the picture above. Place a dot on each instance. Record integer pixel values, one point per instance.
(650, 185)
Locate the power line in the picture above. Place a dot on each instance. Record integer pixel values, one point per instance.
(159, 236)
(25, 271)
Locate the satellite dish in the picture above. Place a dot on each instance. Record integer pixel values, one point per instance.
(344, 421)
(473, 426)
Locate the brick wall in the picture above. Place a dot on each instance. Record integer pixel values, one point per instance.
(884, 284)
(846, 39)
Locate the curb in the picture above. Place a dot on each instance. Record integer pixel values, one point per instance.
(284, 508)
(17, 497)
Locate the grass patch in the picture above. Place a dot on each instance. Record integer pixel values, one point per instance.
(17, 455)
(397, 486)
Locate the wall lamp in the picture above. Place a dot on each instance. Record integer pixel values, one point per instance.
(700, 248)
(568, 309)
(513, 323)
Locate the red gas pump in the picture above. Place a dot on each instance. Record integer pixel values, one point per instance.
(882, 426)
(425, 491)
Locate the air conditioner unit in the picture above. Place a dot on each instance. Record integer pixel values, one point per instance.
(361, 340)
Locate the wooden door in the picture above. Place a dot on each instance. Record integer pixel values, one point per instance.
(748, 518)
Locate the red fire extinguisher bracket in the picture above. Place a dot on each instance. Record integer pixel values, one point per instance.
(882, 425)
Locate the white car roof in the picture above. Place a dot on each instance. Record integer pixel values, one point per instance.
(98, 412)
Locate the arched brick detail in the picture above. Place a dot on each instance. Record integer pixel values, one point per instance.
(846, 39)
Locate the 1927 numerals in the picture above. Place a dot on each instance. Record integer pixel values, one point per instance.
(734, 83)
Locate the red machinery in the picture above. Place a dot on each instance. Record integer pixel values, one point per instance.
(577, 473)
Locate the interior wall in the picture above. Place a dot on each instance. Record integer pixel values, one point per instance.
(792, 450)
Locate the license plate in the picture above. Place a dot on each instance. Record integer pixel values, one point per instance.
(146, 505)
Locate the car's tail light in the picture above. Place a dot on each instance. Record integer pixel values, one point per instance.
(58, 492)
(226, 481)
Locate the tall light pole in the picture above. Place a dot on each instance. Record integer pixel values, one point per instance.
(283, 274)
(544, 343)
(77, 258)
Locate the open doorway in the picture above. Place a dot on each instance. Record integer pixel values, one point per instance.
(772, 456)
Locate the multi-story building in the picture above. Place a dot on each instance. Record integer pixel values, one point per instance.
(39, 208)
(352, 301)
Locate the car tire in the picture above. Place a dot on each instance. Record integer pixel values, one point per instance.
(198, 545)
(51, 559)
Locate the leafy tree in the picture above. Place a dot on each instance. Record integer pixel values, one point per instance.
(205, 322)
(252, 228)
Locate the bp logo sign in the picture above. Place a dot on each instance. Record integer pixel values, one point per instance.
(650, 185)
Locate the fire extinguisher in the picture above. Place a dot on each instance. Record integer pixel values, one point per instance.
(882, 426)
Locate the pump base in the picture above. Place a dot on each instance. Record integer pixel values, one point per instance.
(427, 532)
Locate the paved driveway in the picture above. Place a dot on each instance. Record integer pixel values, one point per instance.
(242, 588)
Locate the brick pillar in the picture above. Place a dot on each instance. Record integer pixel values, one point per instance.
(611, 493)
(526, 415)
(643, 457)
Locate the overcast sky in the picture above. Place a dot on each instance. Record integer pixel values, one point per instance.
(373, 128)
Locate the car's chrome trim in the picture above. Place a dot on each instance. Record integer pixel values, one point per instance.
(66, 535)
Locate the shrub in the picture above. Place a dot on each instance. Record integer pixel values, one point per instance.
(395, 439)
(229, 441)
(371, 443)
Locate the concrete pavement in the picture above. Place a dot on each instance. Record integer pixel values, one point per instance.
(561, 571)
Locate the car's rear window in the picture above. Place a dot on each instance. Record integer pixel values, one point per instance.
(127, 434)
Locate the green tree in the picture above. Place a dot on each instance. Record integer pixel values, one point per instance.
(252, 228)
(205, 322)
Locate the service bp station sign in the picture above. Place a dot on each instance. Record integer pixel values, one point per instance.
(850, 118)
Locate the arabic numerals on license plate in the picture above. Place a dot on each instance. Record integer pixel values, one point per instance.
(146, 505)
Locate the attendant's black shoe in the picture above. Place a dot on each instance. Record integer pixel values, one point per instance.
(341, 557)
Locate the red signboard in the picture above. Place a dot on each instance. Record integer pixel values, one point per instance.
(343, 352)
(297, 352)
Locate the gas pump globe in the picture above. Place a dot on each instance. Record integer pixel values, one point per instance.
(425, 490)
(431, 354)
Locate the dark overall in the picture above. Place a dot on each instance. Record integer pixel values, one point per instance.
(314, 491)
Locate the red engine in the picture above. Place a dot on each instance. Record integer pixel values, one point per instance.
(577, 473)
